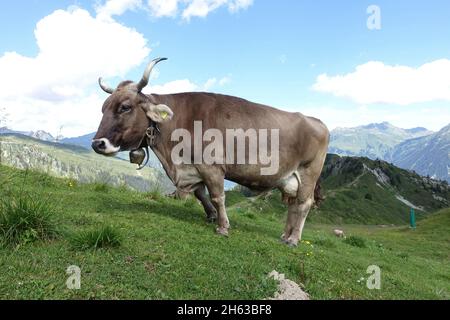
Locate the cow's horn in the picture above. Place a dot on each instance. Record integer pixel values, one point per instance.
(146, 77)
(105, 87)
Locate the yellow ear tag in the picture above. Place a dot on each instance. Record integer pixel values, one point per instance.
(164, 115)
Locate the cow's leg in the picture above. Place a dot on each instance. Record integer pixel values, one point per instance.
(211, 212)
(223, 223)
(297, 215)
(214, 181)
(300, 207)
(291, 218)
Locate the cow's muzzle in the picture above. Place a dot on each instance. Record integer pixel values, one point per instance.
(104, 147)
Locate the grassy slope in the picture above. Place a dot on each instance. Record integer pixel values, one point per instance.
(356, 196)
(169, 251)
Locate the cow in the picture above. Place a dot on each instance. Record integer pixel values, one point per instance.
(133, 120)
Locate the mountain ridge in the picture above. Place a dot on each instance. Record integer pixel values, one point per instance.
(39, 134)
(428, 155)
(400, 146)
(375, 140)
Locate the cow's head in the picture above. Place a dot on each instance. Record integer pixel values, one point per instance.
(127, 114)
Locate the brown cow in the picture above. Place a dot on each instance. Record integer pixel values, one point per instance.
(132, 121)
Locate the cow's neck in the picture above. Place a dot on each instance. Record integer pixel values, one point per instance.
(161, 148)
(164, 157)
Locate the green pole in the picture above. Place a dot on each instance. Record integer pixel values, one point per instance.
(412, 218)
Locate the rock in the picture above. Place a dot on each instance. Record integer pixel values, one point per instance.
(287, 289)
(339, 233)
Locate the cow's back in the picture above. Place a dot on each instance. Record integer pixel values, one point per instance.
(300, 137)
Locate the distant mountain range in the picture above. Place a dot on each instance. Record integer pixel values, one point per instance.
(40, 134)
(415, 149)
(83, 141)
(374, 141)
(428, 155)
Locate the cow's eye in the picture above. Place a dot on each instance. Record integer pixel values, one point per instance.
(124, 108)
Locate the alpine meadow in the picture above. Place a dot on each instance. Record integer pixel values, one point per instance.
(218, 158)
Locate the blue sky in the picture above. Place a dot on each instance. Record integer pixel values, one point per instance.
(272, 52)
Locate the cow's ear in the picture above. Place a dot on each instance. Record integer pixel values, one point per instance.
(158, 113)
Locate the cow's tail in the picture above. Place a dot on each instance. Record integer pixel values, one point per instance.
(318, 198)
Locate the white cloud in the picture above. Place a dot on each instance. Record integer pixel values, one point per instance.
(163, 8)
(171, 8)
(74, 49)
(116, 8)
(237, 5)
(210, 83)
(3, 116)
(56, 86)
(225, 80)
(337, 116)
(77, 116)
(375, 82)
(201, 8)
(186, 85)
(213, 82)
(176, 86)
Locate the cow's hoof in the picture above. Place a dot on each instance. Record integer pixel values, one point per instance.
(283, 238)
(290, 242)
(211, 219)
(222, 231)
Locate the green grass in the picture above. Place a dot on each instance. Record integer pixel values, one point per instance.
(104, 237)
(168, 251)
(101, 187)
(356, 241)
(26, 218)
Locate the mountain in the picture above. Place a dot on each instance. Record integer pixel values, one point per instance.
(358, 191)
(371, 191)
(83, 141)
(5, 130)
(429, 155)
(40, 134)
(375, 141)
(78, 163)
